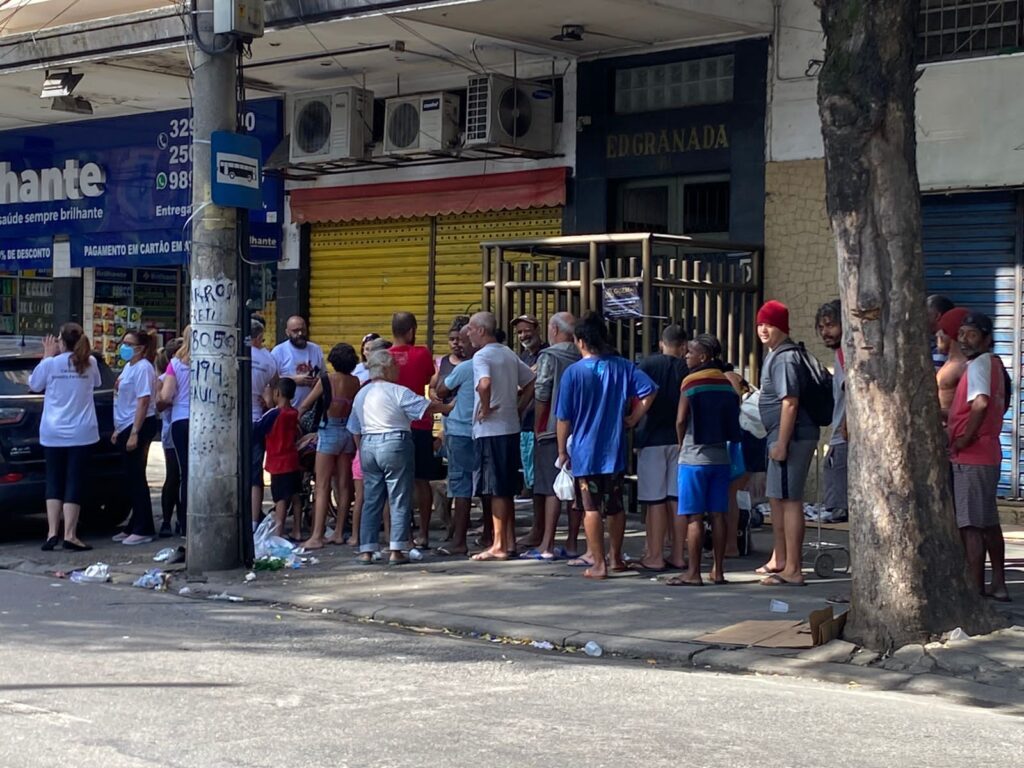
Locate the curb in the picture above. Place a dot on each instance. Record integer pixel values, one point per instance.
(686, 654)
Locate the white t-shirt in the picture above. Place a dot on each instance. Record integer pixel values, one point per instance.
(292, 361)
(361, 372)
(507, 374)
(136, 381)
(182, 375)
(382, 407)
(69, 410)
(264, 369)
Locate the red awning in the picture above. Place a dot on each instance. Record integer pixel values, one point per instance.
(431, 197)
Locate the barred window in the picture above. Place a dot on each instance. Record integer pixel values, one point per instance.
(961, 29)
(670, 86)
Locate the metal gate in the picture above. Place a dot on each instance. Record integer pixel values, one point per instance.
(705, 286)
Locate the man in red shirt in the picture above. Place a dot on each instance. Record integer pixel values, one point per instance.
(975, 420)
(415, 371)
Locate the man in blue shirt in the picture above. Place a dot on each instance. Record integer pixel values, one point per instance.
(594, 398)
(458, 441)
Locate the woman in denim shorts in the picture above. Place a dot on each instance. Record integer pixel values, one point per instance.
(335, 446)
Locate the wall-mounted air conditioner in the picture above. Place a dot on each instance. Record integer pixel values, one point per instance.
(503, 112)
(421, 123)
(331, 125)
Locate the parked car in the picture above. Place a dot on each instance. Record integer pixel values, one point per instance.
(22, 467)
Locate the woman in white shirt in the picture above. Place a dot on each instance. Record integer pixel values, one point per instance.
(67, 376)
(380, 421)
(172, 480)
(135, 426)
(174, 394)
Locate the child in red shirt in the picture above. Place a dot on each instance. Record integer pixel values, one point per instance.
(279, 429)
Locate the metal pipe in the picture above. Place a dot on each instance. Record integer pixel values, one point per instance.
(645, 323)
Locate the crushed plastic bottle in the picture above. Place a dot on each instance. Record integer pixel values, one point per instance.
(415, 555)
(593, 649)
(543, 645)
(164, 554)
(227, 597)
(250, 576)
(154, 578)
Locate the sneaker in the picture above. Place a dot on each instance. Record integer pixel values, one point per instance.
(134, 539)
(119, 536)
(165, 531)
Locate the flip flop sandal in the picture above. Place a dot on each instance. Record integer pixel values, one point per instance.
(579, 562)
(763, 571)
(394, 562)
(561, 553)
(531, 554)
(677, 582)
(777, 581)
(638, 565)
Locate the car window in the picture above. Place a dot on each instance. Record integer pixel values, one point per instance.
(14, 376)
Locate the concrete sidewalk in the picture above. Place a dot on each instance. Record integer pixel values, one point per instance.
(632, 614)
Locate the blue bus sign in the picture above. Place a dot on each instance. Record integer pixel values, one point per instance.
(236, 174)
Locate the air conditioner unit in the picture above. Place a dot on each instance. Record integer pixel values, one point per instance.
(422, 123)
(503, 112)
(331, 125)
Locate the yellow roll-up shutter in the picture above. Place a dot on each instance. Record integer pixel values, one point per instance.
(458, 273)
(362, 272)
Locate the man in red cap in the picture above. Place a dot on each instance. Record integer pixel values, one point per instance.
(949, 375)
(792, 439)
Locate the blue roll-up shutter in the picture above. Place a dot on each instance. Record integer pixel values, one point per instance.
(972, 254)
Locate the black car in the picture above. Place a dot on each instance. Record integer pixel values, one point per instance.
(22, 467)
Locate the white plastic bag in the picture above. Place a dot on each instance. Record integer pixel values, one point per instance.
(750, 415)
(565, 485)
(266, 543)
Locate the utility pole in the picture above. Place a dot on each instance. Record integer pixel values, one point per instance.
(213, 503)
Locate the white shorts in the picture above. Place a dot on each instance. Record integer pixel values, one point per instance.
(657, 470)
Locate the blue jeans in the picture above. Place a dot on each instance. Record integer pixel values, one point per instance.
(388, 471)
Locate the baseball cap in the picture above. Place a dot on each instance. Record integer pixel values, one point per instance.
(526, 319)
(979, 320)
(951, 320)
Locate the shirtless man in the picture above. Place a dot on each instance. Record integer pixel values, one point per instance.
(949, 375)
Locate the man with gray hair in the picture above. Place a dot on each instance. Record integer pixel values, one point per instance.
(551, 364)
(503, 387)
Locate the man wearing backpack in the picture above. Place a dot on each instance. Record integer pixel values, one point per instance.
(791, 395)
(975, 421)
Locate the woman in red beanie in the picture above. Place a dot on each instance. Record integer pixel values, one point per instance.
(792, 439)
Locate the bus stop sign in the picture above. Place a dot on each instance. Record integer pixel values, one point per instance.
(236, 175)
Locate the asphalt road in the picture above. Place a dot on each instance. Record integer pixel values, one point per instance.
(114, 677)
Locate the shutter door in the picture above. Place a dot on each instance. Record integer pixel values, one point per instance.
(362, 272)
(970, 244)
(458, 274)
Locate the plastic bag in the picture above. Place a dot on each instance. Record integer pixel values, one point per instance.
(94, 574)
(750, 415)
(267, 544)
(565, 485)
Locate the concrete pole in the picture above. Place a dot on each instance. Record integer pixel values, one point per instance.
(213, 531)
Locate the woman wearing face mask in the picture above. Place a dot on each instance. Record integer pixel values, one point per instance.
(174, 394)
(135, 426)
(67, 375)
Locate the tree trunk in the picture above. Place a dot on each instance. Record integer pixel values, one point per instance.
(909, 577)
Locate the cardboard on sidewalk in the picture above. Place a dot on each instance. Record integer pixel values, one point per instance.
(819, 628)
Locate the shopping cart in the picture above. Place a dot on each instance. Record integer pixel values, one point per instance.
(827, 558)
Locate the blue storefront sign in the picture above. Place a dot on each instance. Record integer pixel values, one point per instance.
(27, 253)
(120, 188)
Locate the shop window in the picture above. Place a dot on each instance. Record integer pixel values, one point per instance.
(960, 29)
(675, 85)
(26, 302)
(674, 206)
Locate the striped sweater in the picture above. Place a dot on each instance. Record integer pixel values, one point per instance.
(714, 406)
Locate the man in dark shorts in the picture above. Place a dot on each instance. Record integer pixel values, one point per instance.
(551, 365)
(593, 408)
(503, 386)
(415, 372)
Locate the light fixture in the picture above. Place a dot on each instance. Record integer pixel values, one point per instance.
(57, 84)
(571, 33)
(74, 104)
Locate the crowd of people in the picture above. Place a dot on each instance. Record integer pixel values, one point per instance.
(513, 425)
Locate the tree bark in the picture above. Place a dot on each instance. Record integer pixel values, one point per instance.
(909, 577)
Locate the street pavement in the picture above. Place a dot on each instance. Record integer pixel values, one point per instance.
(101, 676)
(634, 615)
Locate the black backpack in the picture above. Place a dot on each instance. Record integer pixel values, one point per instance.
(816, 397)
